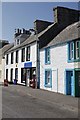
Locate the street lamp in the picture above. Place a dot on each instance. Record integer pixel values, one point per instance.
(37, 57)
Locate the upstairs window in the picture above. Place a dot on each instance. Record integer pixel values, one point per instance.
(77, 50)
(17, 56)
(74, 51)
(23, 55)
(12, 58)
(7, 59)
(28, 53)
(47, 55)
(18, 41)
(71, 50)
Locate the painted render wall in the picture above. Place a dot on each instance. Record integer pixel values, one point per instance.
(20, 64)
(58, 58)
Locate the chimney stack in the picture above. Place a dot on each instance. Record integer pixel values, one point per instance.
(66, 16)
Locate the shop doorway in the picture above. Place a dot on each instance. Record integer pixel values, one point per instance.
(27, 75)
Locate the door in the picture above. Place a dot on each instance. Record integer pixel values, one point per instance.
(72, 83)
(28, 76)
(77, 83)
(69, 83)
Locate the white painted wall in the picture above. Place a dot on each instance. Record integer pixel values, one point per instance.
(58, 65)
(20, 64)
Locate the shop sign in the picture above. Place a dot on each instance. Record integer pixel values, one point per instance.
(28, 65)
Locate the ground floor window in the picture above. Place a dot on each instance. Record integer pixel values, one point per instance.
(6, 74)
(27, 75)
(11, 75)
(48, 78)
(0, 73)
(16, 73)
(23, 75)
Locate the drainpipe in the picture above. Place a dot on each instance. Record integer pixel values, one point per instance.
(37, 61)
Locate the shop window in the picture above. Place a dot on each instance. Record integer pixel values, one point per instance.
(23, 75)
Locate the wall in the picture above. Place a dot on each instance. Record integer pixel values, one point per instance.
(20, 64)
(58, 65)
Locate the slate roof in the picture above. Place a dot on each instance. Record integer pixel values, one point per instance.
(5, 48)
(29, 40)
(52, 35)
(68, 34)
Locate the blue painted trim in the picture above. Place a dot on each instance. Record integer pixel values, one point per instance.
(46, 85)
(65, 89)
(68, 48)
(75, 60)
(47, 62)
(74, 52)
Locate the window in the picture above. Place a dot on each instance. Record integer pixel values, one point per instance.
(0, 73)
(74, 51)
(48, 78)
(12, 58)
(23, 55)
(28, 53)
(7, 59)
(77, 50)
(23, 75)
(18, 42)
(71, 50)
(11, 75)
(0, 60)
(16, 73)
(17, 56)
(6, 74)
(47, 55)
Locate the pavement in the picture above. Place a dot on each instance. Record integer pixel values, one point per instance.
(66, 102)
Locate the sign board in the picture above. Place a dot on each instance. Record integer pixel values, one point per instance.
(28, 65)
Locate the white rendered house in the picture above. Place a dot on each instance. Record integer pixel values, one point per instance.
(60, 62)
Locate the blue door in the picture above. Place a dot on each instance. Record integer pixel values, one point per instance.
(72, 85)
(69, 83)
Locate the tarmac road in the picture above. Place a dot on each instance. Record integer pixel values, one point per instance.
(18, 102)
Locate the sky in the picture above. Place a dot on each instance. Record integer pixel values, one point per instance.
(23, 14)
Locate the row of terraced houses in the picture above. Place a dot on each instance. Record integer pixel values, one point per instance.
(50, 52)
